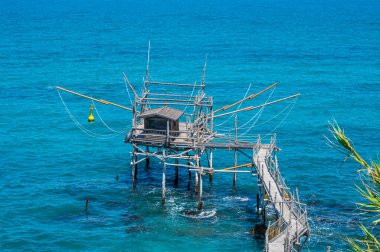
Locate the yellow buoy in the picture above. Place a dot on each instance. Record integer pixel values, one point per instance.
(91, 117)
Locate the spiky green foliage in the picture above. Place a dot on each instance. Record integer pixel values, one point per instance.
(369, 189)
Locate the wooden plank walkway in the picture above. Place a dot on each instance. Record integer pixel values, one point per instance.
(295, 227)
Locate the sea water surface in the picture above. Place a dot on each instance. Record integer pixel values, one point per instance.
(326, 50)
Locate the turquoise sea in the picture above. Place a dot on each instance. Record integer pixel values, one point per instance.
(326, 50)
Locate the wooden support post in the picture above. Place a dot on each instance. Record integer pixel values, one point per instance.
(269, 190)
(86, 206)
(277, 175)
(189, 182)
(147, 160)
(134, 167)
(196, 182)
(163, 177)
(291, 211)
(176, 173)
(235, 162)
(167, 138)
(297, 233)
(258, 204)
(211, 166)
(200, 172)
(263, 219)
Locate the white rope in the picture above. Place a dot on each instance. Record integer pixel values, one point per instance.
(245, 95)
(129, 95)
(286, 116)
(258, 117)
(250, 127)
(282, 111)
(105, 124)
(192, 92)
(259, 112)
(81, 127)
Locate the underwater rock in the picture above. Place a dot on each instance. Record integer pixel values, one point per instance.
(259, 231)
(136, 229)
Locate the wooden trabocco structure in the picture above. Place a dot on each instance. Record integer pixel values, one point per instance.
(178, 130)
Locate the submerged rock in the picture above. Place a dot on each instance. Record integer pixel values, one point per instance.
(136, 229)
(259, 231)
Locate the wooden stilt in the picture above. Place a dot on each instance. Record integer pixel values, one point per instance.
(163, 178)
(235, 153)
(258, 204)
(210, 165)
(196, 183)
(189, 182)
(147, 160)
(200, 171)
(86, 206)
(189, 178)
(263, 216)
(234, 177)
(134, 168)
(176, 174)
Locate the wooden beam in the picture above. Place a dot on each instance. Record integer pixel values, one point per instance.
(170, 99)
(174, 95)
(256, 107)
(174, 84)
(93, 99)
(129, 84)
(236, 166)
(246, 98)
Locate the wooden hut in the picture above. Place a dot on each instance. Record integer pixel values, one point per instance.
(161, 120)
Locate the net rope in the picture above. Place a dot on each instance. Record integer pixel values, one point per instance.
(83, 128)
(245, 95)
(255, 116)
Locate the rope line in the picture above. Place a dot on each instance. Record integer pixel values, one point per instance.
(282, 121)
(260, 111)
(245, 95)
(258, 117)
(192, 92)
(105, 124)
(258, 114)
(282, 111)
(127, 88)
(81, 127)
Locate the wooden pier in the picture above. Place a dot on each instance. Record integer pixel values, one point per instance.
(291, 226)
(163, 129)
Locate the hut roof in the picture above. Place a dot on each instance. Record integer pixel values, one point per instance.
(165, 112)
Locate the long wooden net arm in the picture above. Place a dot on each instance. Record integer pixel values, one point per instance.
(256, 107)
(237, 166)
(246, 98)
(93, 99)
(129, 84)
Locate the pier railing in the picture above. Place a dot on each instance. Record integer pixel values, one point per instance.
(292, 222)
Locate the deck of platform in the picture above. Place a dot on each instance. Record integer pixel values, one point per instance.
(185, 140)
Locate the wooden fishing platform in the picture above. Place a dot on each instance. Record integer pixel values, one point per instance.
(162, 129)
